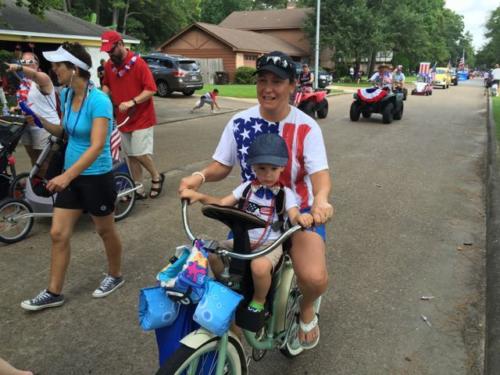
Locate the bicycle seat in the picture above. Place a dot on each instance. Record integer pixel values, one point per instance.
(232, 216)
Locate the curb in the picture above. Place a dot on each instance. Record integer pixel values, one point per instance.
(179, 119)
(492, 333)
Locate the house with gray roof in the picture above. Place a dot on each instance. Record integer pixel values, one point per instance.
(19, 28)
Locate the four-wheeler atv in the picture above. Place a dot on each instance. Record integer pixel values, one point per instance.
(311, 102)
(377, 100)
(398, 87)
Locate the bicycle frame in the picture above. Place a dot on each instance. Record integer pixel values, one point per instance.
(275, 326)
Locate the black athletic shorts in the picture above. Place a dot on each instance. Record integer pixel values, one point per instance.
(95, 194)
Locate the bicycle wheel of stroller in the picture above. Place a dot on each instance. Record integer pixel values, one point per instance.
(125, 195)
(17, 187)
(14, 225)
(292, 347)
(203, 360)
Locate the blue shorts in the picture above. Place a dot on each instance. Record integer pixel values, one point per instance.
(320, 229)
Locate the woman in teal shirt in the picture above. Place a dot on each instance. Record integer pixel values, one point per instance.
(86, 183)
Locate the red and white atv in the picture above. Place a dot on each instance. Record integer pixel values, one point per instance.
(311, 102)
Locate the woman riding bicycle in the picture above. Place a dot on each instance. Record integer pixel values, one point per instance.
(306, 174)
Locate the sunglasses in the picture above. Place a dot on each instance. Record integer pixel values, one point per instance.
(277, 61)
(28, 62)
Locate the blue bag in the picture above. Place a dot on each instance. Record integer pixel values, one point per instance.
(215, 312)
(173, 269)
(189, 285)
(168, 338)
(156, 310)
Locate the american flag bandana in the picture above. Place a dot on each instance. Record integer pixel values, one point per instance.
(23, 90)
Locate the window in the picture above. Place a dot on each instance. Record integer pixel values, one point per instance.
(250, 57)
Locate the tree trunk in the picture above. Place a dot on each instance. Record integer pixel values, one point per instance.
(97, 10)
(67, 5)
(125, 16)
(116, 14)
(371, 67)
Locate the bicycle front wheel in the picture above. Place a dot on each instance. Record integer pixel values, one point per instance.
(203, 361)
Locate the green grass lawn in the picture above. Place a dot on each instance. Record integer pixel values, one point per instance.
(496, 116)
(235, 91)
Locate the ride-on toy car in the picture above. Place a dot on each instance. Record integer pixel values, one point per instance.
(377, 100)
(423, 86)
(311, 102)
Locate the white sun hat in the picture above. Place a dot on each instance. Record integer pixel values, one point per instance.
(61, 55)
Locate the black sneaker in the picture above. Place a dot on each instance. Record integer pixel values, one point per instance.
(108, 285)
(42, 301)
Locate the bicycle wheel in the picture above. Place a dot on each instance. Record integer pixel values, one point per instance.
(203, 361)
(17, 187)
(14, 228)
(292, 347)
(125, 198)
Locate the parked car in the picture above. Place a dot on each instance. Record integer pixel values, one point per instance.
(442, 78)
(174, 73)
(324, 79)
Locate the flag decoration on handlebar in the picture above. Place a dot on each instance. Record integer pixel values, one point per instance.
(116, 141)
(371, 95)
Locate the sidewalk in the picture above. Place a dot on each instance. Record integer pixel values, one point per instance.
(177, 107)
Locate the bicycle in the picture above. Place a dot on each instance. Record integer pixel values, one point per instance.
(202, 352)
(31, 200)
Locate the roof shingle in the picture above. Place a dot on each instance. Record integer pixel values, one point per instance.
(267, 19)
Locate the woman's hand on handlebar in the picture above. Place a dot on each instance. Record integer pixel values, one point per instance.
(321, 211)
(192, 182)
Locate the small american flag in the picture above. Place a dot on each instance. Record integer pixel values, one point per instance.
(461, 63)
(116, 141)
(425, 68)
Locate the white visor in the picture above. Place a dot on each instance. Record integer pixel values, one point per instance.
(61, 55)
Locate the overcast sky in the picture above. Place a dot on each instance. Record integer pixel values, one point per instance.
(476, 13)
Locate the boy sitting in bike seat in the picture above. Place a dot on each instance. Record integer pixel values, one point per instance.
(264, 196)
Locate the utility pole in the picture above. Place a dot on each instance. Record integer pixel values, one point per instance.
(316, 57)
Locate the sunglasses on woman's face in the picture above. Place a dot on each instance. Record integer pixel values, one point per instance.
(28, 62)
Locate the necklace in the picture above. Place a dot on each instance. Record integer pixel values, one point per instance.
(69, 109)
(127, 67)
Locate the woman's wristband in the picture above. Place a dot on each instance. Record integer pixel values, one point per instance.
(135, 101)
(198, 173)
(19, 68)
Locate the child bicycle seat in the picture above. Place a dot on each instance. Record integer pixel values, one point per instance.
(240, 222)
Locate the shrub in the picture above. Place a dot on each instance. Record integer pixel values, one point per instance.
(244, 75)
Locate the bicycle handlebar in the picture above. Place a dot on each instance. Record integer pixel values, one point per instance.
(231, 254)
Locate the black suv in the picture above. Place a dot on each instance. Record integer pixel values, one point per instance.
(174, 73)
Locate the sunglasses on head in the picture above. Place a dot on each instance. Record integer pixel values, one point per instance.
(277, 61)
(28, 62)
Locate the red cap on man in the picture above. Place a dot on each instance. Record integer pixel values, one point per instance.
(109, 39)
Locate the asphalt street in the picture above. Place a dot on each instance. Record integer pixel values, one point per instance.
(410, 222)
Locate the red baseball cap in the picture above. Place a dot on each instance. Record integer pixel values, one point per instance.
(109, 39)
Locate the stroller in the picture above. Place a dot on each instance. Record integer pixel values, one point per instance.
(11, 131)
(31, 199)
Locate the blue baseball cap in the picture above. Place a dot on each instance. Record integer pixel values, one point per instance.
(268, 149)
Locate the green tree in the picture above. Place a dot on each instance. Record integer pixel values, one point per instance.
(214, 11)
(490, 52)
